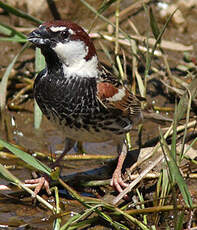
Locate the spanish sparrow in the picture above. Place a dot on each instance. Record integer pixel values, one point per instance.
(78, 94)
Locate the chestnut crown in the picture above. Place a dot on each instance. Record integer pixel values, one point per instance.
(52, 32)
(69, 43)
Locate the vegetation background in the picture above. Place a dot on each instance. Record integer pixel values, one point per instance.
(151, 46)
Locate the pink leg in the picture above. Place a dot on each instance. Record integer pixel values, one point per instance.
(117, 181)
(43, 182)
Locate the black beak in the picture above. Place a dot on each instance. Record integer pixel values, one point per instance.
(39, 36)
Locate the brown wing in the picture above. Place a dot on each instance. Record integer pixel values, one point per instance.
(113, 95)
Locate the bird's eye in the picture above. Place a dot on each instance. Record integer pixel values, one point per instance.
(64, 34)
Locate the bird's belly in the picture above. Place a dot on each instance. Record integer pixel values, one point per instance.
(78, 113)
(84, 135)
(100, 131)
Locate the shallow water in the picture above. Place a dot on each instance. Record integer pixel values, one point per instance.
(16, 209)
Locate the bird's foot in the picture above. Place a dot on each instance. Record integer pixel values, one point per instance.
(41, 182)
(117, 181)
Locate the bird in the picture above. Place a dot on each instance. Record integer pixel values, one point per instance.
(79, 95)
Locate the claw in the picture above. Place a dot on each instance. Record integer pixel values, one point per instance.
(117, 181)
(40, 183)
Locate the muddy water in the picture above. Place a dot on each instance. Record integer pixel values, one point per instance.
(17, 210)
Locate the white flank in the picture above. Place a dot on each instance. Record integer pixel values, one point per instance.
(72, 54)
(118, 96)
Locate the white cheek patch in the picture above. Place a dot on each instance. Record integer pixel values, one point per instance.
(72, 55)
(71, 52)
(118, 96)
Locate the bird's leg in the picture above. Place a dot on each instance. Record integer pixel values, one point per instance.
(116, 180)
(43, 182)
(69, 143)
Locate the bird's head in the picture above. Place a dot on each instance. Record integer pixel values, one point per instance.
(66, 41)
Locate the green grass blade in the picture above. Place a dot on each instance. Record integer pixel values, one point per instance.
(57, 222)
(174, 135)
(70, 221)
(39, 65)
(79, 217)
(180, 221)
(183, 103)
(9, 31)
(39, 61)
(97, 13)
(5, 174)
(105, 5)
(37, 115)
(21, 40)
(30, 160)
(165, 186)
(153, 24)
(176, 174)
(19, 13)
(190, 145)
(158, 40)
(4, 81)
(83, 224)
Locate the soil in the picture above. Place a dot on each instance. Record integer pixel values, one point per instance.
(18, 211)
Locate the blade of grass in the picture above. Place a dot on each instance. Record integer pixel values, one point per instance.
(83, 224)
(131, 219)
(153, 24)
(175, 174)
(120, 69)
(12, 179)
(182, 106)
(39, 65)
(5, 174)
(161, 192)
(97, 13)
(86, 202)
(186, 123)
(180, 221)
(165, 186)
(27, 158)
(104, 18)
(105, 5)
(4, 81)
(20, 40)
(174, 134)
(78, 217)
(70, 221)
(158, 189)
(188, 148)
(172, 182)
(57, 222)
(150, 55)
(141, 199)
(13, 34)
(19, 13)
